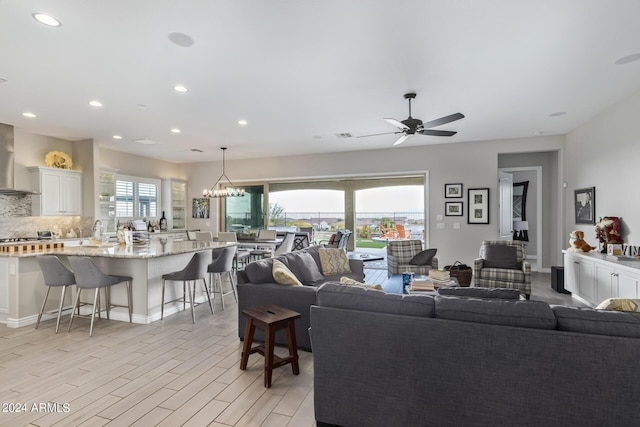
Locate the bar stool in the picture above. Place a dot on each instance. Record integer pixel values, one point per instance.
(223, 263)
(55, 274)
(89, 276)
(195, 270)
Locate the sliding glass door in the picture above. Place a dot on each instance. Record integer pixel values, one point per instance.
(245, 212)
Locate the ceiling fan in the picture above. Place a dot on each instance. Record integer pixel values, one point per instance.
(411, 126)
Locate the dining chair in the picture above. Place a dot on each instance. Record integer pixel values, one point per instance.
(55, 274)
(241, 255)
(262, 251)
(204, 236)
(89, 276)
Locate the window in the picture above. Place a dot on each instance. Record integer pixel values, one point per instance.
(136, 197)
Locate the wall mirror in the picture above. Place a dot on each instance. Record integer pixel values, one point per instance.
(520, 200)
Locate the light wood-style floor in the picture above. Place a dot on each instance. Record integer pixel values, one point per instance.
(168, 373)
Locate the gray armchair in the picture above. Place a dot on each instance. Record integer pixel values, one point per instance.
(399, 256)
(501, 265)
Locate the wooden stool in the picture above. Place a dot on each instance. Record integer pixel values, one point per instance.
(270, 318)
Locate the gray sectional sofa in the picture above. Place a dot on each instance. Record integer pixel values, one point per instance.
(256, 287)
(415, 360)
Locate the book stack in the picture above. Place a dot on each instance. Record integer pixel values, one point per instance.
(422, 283)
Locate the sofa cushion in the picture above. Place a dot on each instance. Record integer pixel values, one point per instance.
(357, 298)
(303, 266)
(423, 257)
(500, 256)
(334, 261)
(283, 276)
(260, 271)
(491, 293)
(598, 322)
(526, 314)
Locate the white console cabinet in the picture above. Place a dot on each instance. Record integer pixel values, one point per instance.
(593, 278)
(60, 191)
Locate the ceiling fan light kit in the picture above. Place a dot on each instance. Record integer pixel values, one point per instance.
(411, 126)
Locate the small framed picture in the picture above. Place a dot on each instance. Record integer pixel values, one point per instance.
(453, 209)
(478, 211)
(453, 191)
(585, 203)
(200, 208)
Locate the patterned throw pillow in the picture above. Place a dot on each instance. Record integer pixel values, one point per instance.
(620, 304)
(348, 281)
(334, 261)
(284, 276)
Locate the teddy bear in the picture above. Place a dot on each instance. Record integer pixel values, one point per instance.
(577, 242)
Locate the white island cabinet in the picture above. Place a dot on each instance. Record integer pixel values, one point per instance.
(60, 191)
(592, 277)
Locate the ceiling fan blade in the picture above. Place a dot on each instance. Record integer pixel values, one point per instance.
(435, 132)
(401, 139)
(397, 124)
(376, 134)
(443, 120)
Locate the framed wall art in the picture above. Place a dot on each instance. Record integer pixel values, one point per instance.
(200, 208)
(585, 204)
(453, 208)
(453, 191)
(478, 211)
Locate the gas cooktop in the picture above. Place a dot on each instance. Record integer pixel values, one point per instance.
(18, 239)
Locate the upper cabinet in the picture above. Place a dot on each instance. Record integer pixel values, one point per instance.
(60, 191)
(174, 202)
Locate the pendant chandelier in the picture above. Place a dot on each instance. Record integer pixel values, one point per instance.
(230, 190)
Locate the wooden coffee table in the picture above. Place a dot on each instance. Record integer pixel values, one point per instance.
(270, 318)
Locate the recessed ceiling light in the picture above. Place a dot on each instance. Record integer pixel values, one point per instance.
(558, 114)
(242, 122)
(45, 19)
(175, 130)
(141, 106)
(95, 103)
(180, 88)
(117, 137)
(29, 115)
(628, 59)
(3, 80)
(180, 39)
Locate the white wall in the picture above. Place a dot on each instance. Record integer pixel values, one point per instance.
(475, 164)
(605, 153)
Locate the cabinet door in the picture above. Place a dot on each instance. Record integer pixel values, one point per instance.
(586, 281)
(72, 194)
(571, 272)
(51, 188)
(627, 284)
(604, 276)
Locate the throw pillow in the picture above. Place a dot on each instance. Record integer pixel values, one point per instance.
(423, 257)
(310, 272)
(620, 304)
(500, 256)
(348, 281)
(334, 261)
(284, 276)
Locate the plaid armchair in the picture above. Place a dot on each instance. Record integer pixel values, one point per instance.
(518, 277)
(400, 252)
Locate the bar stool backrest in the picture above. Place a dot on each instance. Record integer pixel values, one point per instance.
(196, 268)
(55, 273)
(224, 262)
(88, 275)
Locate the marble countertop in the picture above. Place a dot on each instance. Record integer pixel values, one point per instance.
(152, 249)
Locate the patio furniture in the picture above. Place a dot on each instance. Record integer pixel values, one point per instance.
(388, 233)
(403, 233)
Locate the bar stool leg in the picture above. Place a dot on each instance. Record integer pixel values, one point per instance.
(233, 286)
(162, 306)
(43, 304)
(130, 301)
(270, 335)
(93, 313)
(73, 309)
(64, 288)
(293, 346)
(193, 312)
(206, 289)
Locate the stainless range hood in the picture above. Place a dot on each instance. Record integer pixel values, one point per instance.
(7, 162)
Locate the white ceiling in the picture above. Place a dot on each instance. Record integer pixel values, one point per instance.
(301, 72)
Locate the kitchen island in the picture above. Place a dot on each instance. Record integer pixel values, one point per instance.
(22, 287)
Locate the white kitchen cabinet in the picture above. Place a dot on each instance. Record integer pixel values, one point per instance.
(594, 278)
(60, 191)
